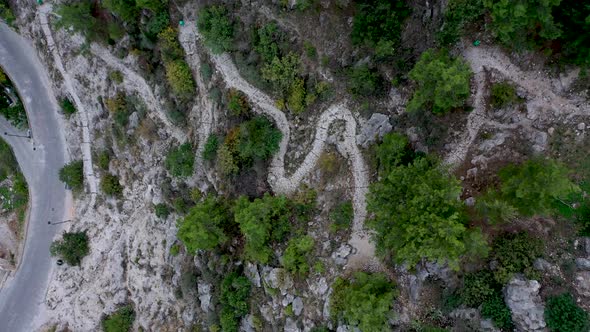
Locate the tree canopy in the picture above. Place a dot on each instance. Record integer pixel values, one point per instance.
(71, 248)
(442, 82)
(235, 292)
(217, 27)
(72, 174)
(180, 160)
(203, 226)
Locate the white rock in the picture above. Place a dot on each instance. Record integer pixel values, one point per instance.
(297, 306)
(528, 310)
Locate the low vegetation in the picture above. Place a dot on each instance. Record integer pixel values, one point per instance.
(205, 226)
(297, 256)
(14, 192)
(72, 174)
(72, 248)
(11, 107)
(120, 320)
(235, 293)
(110, 185)
(180, 160)
(563, 314)
(217, 27)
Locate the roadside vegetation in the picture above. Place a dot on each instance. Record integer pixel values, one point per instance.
(72, 247)
(119, 321)
(6, 13)
(11, 107)
(14, 192)
(72, 174)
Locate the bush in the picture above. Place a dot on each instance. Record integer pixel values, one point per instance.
(109, 184)
(562, 314)
(16, 115)
(261, 221)
(478, 287)
(364, 81)
(72, 248)
(6, 13)
(572, 16)
(503, 94)
(235, 292)
(180, 160)
(296, 100)
(267, 40)
(225, 161)
(341, 216)
(119, 321)
(116, 76)
(534, 186)
(458, 14)
(417, 215)
(496, 309)
(237, 103)
(170, 48)
(68, 107)
(296, 256)
(103, 160)
(378, 22)
(216, 26)
(206, 72)
(162, 210)
(258, 139)
(180, 78)
(282, 72)
(204, 226)
(514, 253)
(72, 174)
(393, 151)
(442, 82)
(365, 301)
(78, 16)
(175, 250)
(210, 150)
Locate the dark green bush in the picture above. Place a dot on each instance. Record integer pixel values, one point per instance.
(365, 81)
(204, 226)
(503, 94)
(296, 258)
(514, 253)
(162, 210)
(120, 320)
(496, 309)
(235, 292)
(458, 15)
(572, 16)
(104, 159)
(6, 13)
(268, 40)
(365, 301)
(217, 27)
(180, 160)
(341, 216)
(477, 288)
(72, 174)
(206, 72)
(211, 146)
(258, 139)
(71, 248)
(68, 107)
(378, 22)
(562, 314)
(109, 184)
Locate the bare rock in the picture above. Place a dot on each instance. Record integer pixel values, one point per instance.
(297, 306)
(339, 256)
(251, 272)
(583, 263)
(522, 297)
(377, 126)
(320, 287)
(278, 279)
(582, 283)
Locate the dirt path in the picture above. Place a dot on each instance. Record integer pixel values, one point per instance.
(277, 178)
(91, 178)
(539, 88)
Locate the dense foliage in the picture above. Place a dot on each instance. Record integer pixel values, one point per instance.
(120, 320)
(365, 301)
(458, 15)
(417, 215)
(162, 210)
(574, 18)
(258, 139)
(71, 248)
(503, 94)
(6, 13)
(109, 184)
(481, 289)
(514, 253)
(341, 216)
(72, 174)
(296, 258)
(11, 106)
(180, 160)
(203, 227)
(67, 107)
(442, 82)
(365, 81)
(562, 314)
(217, 27)
(235, 292)
(211, 146)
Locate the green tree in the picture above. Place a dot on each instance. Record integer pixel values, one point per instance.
(72, 174)
(518, 23)
(71, 248)
(180, 160)
(170, 48)
(393, 151)
(514, 253)
(282, 72)
(68, 107)
(180, 78)
(365, 301)
(124, 9)
(6, 13)
(78, 16)
(266, 43)
(296, 256)
(574, 18)
(341, 216)
(258, 139)
(562, 314)
(225, 161)
(109, 184)
(120, 320)
(533, 186)
(217, 27)
(211, 146)
(503, 94)
(417, 215)
(203, 227)
(235, 292)
(261, 221)
(378, 22)
(365, 81)
(442, 82)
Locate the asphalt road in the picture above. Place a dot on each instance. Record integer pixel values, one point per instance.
(40, 158)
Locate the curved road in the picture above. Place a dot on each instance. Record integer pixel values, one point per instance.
(22, 298)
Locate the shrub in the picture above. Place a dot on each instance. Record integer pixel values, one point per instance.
(458, 14)
(180, 78)
(267, 40)
(72, 174)
(6, 13)
(393, 151)
(170, 48)
(237, 103)
(119, 321)
(364, 81)
(216, 26)
(296, 100)
(210, 150)
(261, 221)
(180, 160)
(365, 301)
(503, 94)
(341, 216)
(156, 24)
(514, 253)
(417, 216)
(572, 16)
(104, 159)
(203, 227)
(116, 76)
(296, 256)
(162, 210)
(378, 22)
(225, 161)
(68, 107)
(78, 16)
(72, 248)
(109, 184)
(258, 139)
(235, 292)
(533, 186)
(282, 72)
(442, 82)
(118, 108)
(175, 250)
(562, 314)
(478, 287)
(496, 309)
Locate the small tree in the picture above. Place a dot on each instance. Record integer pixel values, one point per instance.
(110, 185)
(120, 320)
(71, 248)
(180, 78)
(180, 160)
(72, 174)
(68, 107)
(442, 82)
(296, 256)
(282, 72)
(258, 139)
(562, 314)
(211, 146)
(365, 301)
(217, 27)
(235, 292)
(365, 81)
(203, 227)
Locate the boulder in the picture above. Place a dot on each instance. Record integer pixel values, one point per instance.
(377, 126)
(522, 297)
